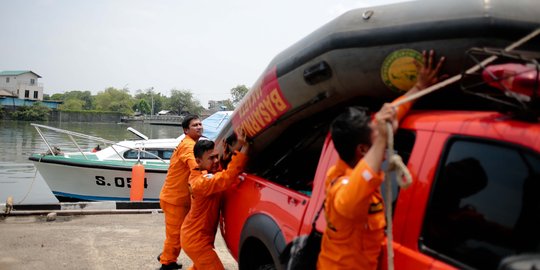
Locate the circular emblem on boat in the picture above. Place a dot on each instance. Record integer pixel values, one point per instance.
(398, 70)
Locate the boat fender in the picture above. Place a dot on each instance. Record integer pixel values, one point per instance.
(136, 192)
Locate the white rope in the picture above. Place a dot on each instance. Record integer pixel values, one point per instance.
(404, 180)
(31, 184)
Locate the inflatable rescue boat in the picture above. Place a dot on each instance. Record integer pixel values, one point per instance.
(366, 57)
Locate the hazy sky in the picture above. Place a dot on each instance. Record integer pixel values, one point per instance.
(205, 46)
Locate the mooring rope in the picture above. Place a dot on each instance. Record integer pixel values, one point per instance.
(31, 184)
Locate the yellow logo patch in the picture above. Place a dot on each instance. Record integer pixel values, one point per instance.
(398, 70)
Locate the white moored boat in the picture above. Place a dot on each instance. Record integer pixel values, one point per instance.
(106, 174)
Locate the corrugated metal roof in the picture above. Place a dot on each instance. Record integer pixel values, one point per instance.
(16, 72)
(4, 92)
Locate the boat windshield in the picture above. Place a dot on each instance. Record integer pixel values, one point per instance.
(214, 123)
(149, 154)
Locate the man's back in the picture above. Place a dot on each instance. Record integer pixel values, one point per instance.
(175, 188)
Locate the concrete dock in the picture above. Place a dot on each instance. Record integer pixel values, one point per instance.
(88, 239)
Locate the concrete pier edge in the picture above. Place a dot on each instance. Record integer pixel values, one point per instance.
(85, 208)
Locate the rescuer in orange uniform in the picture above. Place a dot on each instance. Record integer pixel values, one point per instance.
(206, 186)
(354, 206)
(174, 198)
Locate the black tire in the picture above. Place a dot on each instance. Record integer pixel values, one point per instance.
(261, 243)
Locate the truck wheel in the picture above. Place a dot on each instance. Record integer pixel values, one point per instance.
(261, 242)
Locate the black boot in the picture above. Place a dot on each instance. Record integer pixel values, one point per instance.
(171, 266)
(168, 266)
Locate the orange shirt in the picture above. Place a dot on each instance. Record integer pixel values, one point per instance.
(356, 241)
(354, 213)
(175, 189)
(402, 109)
(199, 227)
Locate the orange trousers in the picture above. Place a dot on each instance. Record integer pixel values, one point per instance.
(204, 258)
(174, 217)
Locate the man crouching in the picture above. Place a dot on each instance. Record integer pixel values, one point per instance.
(206, 186)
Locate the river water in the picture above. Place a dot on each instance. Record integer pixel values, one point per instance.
(18, 140)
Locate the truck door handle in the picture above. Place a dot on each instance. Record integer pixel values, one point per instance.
(292, 201)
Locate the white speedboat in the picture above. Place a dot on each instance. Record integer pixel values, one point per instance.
(106, 174)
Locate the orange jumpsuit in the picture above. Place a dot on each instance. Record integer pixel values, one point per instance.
(174, 198)
(200, 225)
(354, 214)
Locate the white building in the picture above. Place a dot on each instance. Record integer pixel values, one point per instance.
(21, 84)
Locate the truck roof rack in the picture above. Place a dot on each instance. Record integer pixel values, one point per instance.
(512, 81)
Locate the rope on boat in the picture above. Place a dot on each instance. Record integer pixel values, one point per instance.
(31, 184)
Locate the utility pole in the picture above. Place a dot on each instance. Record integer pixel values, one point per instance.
(152, 95)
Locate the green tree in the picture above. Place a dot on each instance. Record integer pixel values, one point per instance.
(85, 96)
(36, 112)
(142, 106)
(159, 102)
(151, 97)
(57, 96)
(229, 106)
(72, 104)
(46, 97)
(183, 101)
(114, 100)
(238, 93)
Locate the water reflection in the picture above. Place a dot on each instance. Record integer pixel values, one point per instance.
(18, 140)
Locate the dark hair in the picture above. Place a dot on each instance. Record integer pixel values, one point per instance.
(202, 146)
(231, 139)
(226, 157)
(187, 120)
(348, 130)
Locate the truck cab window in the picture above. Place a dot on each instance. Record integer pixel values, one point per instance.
(292, 159)
(483, 206)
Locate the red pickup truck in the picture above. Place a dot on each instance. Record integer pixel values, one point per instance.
(475, 162)
(493, 216)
